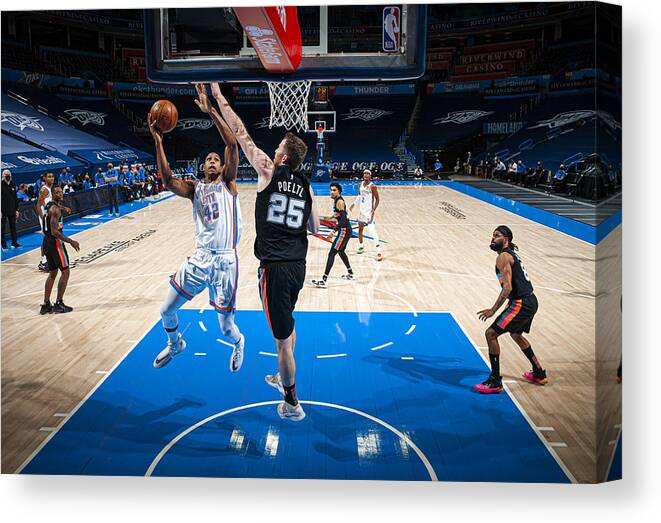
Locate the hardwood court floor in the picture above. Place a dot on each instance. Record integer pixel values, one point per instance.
(435, 260)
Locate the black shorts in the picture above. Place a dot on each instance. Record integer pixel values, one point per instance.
(56, 254)
(279, 285)
(342, 239)
(517, 317)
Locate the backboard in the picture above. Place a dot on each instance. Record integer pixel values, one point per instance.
(340, 43)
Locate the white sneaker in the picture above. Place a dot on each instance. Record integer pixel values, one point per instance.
(319, 283)
(287, 411)
(236, 359)
(169, 352)
(274, 381)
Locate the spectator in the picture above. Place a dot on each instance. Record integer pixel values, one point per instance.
(499, 169)
(418, 173)
(511, 172)
(457, 166)
(533, 177)
(559, 177)
(9, 208)
(38, 183)
(520, 172)
(112, 178)
(77, 182)
(438, 167)
(136, 185)
(87, 182)
(22, 193)
(481, 169)
(125, 184)
(99, 178)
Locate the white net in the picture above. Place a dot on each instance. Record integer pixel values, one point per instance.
(289, 104)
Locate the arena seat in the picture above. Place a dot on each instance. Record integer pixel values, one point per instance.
(447, 117)
(564, 129)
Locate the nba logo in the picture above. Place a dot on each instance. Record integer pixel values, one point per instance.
(391, 17)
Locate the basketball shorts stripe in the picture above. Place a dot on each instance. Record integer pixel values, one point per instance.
(517, 317)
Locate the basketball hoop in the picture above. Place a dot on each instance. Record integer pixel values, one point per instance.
(320, 132)
(289, 104)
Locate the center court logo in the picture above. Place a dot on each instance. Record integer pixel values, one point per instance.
(461, 117)
(188, 124)
(365, 114)
(85, 117)
(22, 121)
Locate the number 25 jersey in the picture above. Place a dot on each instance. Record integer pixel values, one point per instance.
(282, 211)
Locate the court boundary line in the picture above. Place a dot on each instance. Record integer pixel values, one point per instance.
(516, 403)
(161, 454)
(34, 454)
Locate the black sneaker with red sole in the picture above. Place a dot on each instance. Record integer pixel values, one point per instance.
(492, 385)
(536, 376)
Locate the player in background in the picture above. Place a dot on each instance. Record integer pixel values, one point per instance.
(516, 318)
(283, 211)
(55, 252)
(218, 225)
(342, 237)
(368, 201)
(46, 196)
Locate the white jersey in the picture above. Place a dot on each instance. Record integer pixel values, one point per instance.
(366, 198)
(47, 199)
(217, 215)
(49, 196)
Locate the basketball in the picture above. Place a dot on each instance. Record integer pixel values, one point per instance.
(164, 113)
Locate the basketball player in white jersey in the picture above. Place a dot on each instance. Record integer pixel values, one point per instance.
(218, 225)
(368, 201)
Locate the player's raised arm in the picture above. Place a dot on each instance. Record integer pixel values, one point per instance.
(231, 148)
(179, 187)
(260, 161)
(313, 220)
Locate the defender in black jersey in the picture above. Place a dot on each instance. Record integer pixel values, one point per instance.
(284, 212)
(516, 318)
(344, 232)
(56, 253)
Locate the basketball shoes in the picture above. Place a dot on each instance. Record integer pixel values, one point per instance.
(169, 352)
